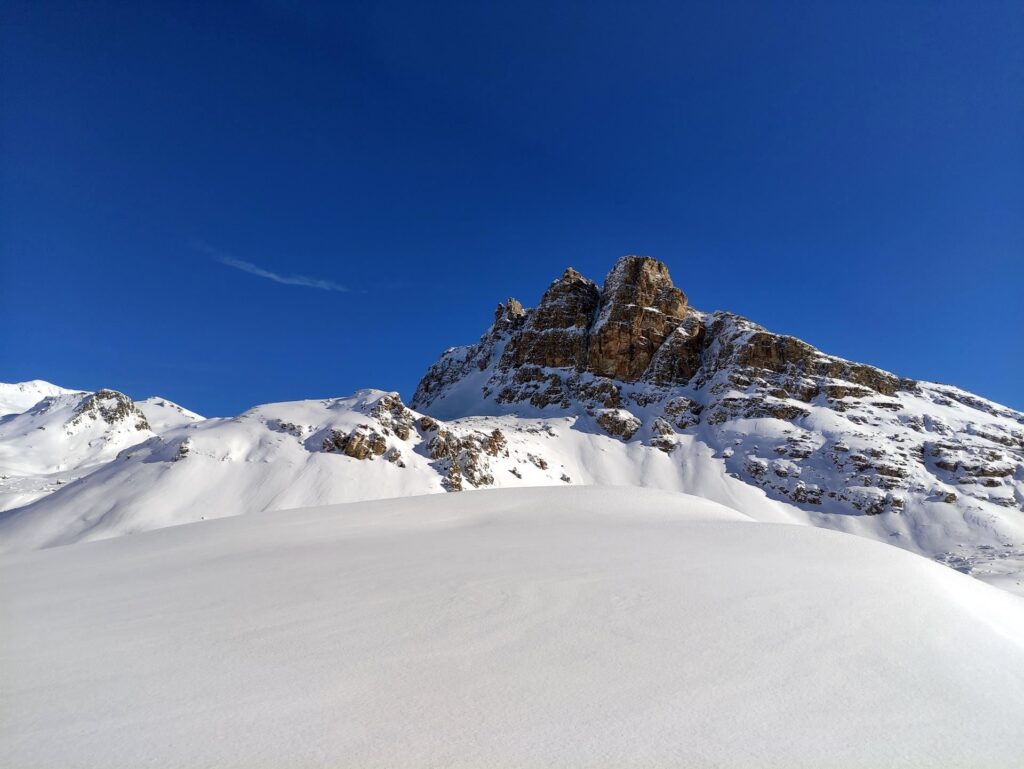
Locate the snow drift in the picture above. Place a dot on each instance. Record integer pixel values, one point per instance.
(507, 628)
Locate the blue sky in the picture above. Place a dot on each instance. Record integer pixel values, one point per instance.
(232, 204)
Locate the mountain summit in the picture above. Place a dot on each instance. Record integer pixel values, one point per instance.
(583, 343)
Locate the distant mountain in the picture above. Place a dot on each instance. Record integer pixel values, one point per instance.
(21, 396)
(622, 383)
(64, 435)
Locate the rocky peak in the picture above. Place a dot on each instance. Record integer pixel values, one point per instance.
(613, 331)
(569, 302)
(640, 307)
(555, 333)
(508, 316)
(111, 407)
(636, 338)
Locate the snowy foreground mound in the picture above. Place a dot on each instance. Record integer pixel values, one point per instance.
(507, 628)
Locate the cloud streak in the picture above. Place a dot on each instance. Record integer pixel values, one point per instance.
(254, 269)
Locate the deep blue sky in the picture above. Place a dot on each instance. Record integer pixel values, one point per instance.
(850, 173)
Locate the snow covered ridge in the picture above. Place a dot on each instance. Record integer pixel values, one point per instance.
(21, 396)
(620, 384)
(569, 627)
(285, 455)
(162, 415)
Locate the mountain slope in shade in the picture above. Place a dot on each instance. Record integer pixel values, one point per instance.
(533, 627)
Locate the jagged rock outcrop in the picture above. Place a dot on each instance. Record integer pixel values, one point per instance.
(680, 355)
(640, 308)
(111, 407)
(463, 459)
(555, 333)
(62, 437)
(618, 422)
(460, 454)
(601, 335)
(361, 443)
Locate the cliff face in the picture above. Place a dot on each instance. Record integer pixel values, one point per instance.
(611, 332)
(640, 308)
(632, 360)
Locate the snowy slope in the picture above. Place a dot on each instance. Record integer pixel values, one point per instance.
(162, 414)
(69, 431)
(305, 453)
(370, 446)
(63, 435)
(21, 396)
(510, 628)
(62, 438)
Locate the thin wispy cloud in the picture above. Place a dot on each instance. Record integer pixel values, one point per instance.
(254, 269)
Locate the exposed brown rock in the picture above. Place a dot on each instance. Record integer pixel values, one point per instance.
(109, 406)
(683, 412)
(680, 356)
(393, 416)
(464, 458)
(361, 443)
(509, 316)
(639, 308)
(555, 334)
(618, 422)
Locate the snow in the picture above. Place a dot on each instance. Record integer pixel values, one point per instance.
(55, 440)
(932, 469)
(530, 627)
(271, 458)
(21, 396)
(62, 481)
(162, 414)
(52, 443)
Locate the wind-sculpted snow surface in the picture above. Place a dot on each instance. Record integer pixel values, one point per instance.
(561, 627)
